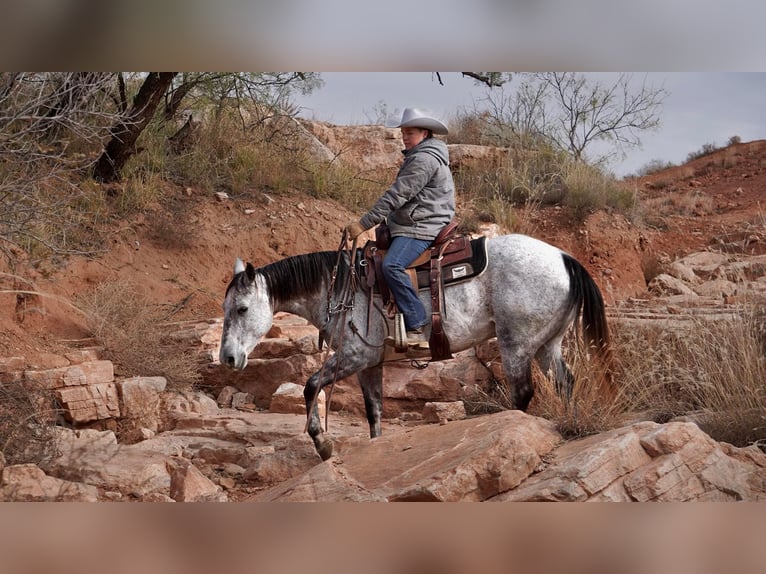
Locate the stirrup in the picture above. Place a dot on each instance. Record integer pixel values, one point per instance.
(400, 333)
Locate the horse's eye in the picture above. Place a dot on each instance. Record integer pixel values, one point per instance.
(242, 310)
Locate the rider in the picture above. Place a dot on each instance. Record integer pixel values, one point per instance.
(419, 203)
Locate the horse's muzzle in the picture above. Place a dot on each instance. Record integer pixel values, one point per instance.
(233, 361)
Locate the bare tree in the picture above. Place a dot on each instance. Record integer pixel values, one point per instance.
(588, 111)
(54, 127)
(48, 123)
(568, 110)
(516, 118)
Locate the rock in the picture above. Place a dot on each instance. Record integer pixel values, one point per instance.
(468, 460)
(274, 348)
(239, 400)
(28, 483)
(584, 468)
(647, 462)
(95, 458)
(188, 402)
(704, 264)
(88, 373)
(716, 288)
(366, 147)
(288, 458)
(12, 369)
(261, 377)
(683, 272)
(225, 396)
(188, 484)
(47, 361)
(141, 400)
(90, 402)
(439, 411)
(470, 155)
(664, 284)
(288, 398)
(77, 356)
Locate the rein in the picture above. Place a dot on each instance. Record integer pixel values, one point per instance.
(344, 305)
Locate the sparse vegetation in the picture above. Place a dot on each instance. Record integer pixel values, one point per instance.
(27, 418)
(654, 166)
(529, 180)
(130, 329)
(711, 371)
(706, 149)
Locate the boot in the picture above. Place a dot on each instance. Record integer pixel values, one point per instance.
(416, 338)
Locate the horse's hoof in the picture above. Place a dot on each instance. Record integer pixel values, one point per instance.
(324, 448)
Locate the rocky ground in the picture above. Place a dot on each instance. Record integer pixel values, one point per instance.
(696, 244)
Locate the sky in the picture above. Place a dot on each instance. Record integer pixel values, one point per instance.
(700, 108)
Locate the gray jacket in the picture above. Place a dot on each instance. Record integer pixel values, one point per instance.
(422, 199)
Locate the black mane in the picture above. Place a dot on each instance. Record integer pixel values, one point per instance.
(297, 276)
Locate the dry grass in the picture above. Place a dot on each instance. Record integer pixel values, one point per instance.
(27, 418)
(712, 371)
(590, 410)
(529, 180)
(691, 203)
(588, 189)
(130, 330)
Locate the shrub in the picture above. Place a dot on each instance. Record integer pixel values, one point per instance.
(589, 189)
(27, 418)
(654, 166)
(129, 328)
(706, 149)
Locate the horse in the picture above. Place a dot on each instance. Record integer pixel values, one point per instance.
(528, 296)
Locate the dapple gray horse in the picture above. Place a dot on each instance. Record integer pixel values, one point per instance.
(528, 296)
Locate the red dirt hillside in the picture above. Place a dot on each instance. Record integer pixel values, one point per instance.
(712, 202)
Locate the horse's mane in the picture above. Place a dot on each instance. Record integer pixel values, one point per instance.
(298, 276)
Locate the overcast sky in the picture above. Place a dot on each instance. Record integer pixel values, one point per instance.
(701, 108)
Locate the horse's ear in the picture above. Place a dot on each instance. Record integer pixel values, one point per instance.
(239, 266)
(250, 272)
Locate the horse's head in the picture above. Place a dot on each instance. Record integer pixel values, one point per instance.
(247, 315)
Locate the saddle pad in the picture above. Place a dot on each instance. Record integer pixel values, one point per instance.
(460, 270)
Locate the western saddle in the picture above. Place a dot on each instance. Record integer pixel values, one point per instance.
(448, 248)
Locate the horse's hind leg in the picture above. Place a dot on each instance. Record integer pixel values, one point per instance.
(371, 381)
(552, 363)
(517, 366)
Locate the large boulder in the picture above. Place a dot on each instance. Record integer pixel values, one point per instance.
(469, 460)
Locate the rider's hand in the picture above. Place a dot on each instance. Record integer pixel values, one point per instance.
(354, 230)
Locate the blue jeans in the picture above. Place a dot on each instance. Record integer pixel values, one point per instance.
(402, 252)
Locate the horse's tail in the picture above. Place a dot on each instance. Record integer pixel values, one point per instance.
(590, 316)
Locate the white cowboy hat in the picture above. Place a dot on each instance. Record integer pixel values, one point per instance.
(418, 118)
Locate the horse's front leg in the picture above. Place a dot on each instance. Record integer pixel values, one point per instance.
(317, 381)
(313, 386)
(371, 381)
